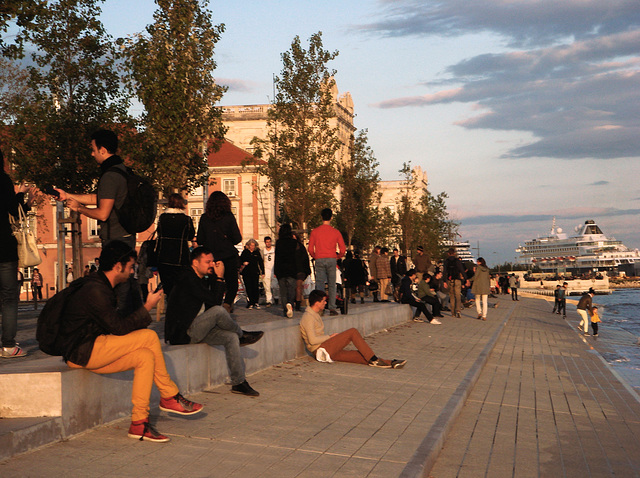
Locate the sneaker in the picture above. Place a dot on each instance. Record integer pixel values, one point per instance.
(435, 322)
(587, 334)
(179, 405)
(249, 306)
(458, 315)
(396, 363)
(268, 304)
(13, 352)
(595, 335)
(334, 312)
(289, 311)
(256, 307)
(418, 319)
(484, 318)
(380, 363)
(249, 338)
(144, 431)
(245, 389)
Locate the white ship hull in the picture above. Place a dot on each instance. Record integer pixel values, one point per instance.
(587, 251)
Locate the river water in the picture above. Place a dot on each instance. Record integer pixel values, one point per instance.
(619, 331)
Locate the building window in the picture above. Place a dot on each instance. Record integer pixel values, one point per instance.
(229, 187)
(195, 214)
(92, 228)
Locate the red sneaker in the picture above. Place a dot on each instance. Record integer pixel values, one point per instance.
(180, 405)
(143, 430)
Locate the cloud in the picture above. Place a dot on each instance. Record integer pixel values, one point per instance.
(523, 23)
(237, 85)
(578, 99)
(560, 215)
(599, 183)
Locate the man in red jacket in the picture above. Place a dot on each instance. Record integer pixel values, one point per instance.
(326, 246)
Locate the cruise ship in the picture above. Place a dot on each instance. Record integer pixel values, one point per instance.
(587, 251)
(463, 250)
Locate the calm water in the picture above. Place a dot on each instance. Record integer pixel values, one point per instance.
(621, 309)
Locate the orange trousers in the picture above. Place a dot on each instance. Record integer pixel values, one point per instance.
(139, 350)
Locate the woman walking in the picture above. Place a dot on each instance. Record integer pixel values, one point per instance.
(218, 231)
(252, 267)
(481, 288)
(303, 268)
(175, 231)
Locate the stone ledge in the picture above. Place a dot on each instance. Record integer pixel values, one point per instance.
(76, 400)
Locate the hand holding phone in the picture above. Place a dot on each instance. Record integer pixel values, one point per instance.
(52, 192)
(158, 289)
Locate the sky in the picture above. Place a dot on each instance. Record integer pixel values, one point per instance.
(520, 110)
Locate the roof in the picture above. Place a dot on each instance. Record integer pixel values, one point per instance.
(231, 155)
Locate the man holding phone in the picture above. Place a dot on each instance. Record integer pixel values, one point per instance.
(186, 323)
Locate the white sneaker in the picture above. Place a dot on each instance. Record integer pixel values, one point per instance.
(289, 311)
(13, 352)
(435, 322)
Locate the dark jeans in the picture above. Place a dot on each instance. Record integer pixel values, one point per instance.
(168, 275)
(562, 306)
(287, 291)
(252, 287)
(231, 279)
(433, 302)
(9, 299)
(514, 293)
(421, 307)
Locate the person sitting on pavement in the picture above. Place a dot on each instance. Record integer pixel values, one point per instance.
(97, 337)
(407, 296)
(185, 323)
(427, 294)
(330, 348)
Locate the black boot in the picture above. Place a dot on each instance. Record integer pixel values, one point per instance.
(297, 305)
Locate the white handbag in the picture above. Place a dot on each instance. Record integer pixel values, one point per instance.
(28, 254)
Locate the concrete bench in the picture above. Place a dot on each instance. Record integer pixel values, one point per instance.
(76, 400)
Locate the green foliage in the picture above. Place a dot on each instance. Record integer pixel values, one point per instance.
(300, 149)
(359, 179)
(171, 72)
(72, 90)
(18, 14)
(422, 218)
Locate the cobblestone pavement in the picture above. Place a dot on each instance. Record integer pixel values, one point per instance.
(546, 404)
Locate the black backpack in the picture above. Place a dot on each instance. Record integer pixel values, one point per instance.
(139, 209)
(51, 317)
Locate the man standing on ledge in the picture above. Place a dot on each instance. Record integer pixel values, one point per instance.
(323, 243)
(329, 348)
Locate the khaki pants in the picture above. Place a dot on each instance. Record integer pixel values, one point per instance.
(139, 350)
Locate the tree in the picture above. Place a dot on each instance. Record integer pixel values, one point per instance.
(301, 146)
(359, 180)
(20, 14)
(72, 90)
(171, 72)
(422, 218)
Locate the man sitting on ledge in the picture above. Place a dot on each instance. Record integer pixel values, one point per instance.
(329, 348)
(193, 316)
(98, 338)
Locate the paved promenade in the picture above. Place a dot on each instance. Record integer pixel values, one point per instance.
(544, 404)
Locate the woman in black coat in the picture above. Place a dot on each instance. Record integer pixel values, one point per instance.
(175, 231)
(218, 231)
(252, 267)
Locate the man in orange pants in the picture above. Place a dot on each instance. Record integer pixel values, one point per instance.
(97, 337)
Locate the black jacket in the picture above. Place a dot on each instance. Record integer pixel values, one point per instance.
(92, 312)
(9, 201)
(175, 230)
(454, 269)
(187, 298)
(219, 236)
(285, 263)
